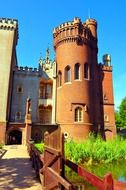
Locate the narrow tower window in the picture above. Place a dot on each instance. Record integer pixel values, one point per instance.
(86, 71)
(106, 118)
(59, 78)
(18, 115)
(19, 89)
(77, 71)
(78, 114)
(67, 73)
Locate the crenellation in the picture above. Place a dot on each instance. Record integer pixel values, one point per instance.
(84, 32)
(106, 68)
(26, 69)
(8, 24)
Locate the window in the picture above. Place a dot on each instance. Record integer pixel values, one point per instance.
(67, 74)
(46, 91)
(59, 79)
(106, 118)
(78, 114)
(86, 71)
(19, 89)
(77, 71)
(18, 115)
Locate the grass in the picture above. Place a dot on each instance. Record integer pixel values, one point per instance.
(93, 150)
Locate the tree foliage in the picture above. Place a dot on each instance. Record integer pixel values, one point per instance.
(120, 115)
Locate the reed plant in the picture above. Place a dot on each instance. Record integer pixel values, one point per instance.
(95, 150)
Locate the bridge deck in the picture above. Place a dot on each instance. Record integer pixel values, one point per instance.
(15, 170)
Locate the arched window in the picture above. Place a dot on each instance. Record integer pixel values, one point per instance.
(59, 79)
(78, 114)
(67, 74)
(86, 71)
(106, 118)
(77, 71)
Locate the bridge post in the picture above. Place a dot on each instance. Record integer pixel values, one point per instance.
(108, 182)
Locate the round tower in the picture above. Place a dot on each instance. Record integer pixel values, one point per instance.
(75, 43)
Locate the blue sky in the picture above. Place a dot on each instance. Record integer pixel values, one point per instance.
(37, 18)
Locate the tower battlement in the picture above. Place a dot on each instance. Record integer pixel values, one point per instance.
(9, 24)
(26, 69)
(76, 31)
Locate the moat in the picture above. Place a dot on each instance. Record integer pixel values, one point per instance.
(117, 169)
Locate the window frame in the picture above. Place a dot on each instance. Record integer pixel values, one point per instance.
(67, 74)
(59, 82)
(86, 71)
(77, 71)
(78, 114)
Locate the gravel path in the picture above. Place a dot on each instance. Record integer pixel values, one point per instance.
(15, 170)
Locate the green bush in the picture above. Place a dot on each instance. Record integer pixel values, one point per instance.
(39, 146)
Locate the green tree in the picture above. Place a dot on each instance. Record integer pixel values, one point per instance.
(120, 115)
(122, 112)
(118, 119)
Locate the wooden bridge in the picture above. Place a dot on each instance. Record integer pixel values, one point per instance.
(50, 167)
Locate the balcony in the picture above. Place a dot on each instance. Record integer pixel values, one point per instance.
(45, 102)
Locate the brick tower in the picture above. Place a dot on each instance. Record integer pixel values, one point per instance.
(79, 90)
(8, 41)
(108, 98)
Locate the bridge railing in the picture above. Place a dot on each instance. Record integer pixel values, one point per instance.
(49, 167)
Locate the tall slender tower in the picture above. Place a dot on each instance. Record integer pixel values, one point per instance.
(8, 41)
(75, 44)
(108, 98)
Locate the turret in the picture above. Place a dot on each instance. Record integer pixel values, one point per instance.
(107, 60)
(92, 24)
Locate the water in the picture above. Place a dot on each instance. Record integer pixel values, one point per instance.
(118, 170)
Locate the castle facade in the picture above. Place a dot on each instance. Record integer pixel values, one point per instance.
(73, 92)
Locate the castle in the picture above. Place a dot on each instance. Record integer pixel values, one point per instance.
(73, 92)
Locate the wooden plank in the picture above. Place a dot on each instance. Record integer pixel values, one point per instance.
(59, 179)
(71, 165)
(49, 163)
(52, 150)
(91, 178)
(53, 146)
(50, 186)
